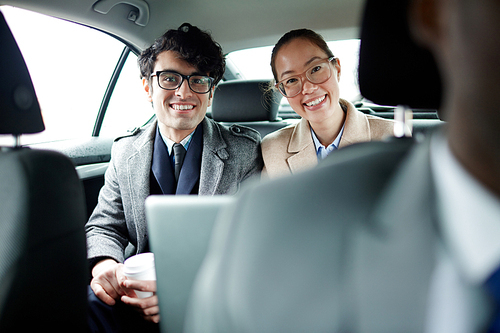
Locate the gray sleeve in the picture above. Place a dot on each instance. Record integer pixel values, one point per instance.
(106, 230)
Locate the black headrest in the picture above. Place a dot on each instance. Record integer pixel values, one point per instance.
(394, 70)
(245, 100)
(19, 108)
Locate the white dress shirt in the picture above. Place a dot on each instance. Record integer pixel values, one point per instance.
(322, 151)
(170, 143)
(469, 218)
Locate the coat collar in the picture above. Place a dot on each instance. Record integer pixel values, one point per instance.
(214, 156)
(301, 137)
(356, 128)
(301, 148)
(147, 137)
(301, 144)
(213, 139)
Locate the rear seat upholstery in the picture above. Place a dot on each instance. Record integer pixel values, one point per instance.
(252, 104)
(249, 103)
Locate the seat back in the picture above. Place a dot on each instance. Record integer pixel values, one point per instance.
(393, 69)
(179, 229)
(43, 266)
(248, 102)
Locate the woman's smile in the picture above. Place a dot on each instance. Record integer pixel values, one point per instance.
(315, 101)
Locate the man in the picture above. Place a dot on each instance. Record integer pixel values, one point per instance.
(380, 238)
(179, 72)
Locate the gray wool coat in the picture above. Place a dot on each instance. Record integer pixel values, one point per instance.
(230, 156)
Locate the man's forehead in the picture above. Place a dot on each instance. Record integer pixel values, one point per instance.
(172, 60)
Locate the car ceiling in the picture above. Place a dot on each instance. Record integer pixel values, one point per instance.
(234, 24)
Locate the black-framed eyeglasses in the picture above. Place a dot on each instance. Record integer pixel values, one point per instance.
(317, 73)
(170, 80)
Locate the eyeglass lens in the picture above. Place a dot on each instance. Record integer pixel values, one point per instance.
(197, 83)
(319, 73)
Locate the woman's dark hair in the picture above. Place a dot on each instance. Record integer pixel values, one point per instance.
(307, 34)
(193, 45)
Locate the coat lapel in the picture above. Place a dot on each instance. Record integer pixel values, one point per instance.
(302, 148)
(214, 156)
(356, 128)
(139, 170)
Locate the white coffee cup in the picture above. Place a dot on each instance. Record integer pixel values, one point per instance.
(141, 267)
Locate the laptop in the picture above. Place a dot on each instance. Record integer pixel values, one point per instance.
(179, 230)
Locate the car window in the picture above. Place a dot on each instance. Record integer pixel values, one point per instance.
(128, 107)
(71, 66)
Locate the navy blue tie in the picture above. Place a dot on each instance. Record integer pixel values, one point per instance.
(493, 287)
(179, 154)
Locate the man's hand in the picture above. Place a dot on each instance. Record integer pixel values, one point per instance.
(107, 281)
(147, 307)
(109, 284)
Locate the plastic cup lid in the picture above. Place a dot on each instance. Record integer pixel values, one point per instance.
(139, 263)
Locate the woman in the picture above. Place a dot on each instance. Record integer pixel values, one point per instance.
(308, 75)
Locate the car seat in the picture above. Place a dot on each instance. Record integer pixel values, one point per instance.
(393, 69)
(248, 102)
(43, 266)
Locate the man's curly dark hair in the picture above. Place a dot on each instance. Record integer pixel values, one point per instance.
(193, 45)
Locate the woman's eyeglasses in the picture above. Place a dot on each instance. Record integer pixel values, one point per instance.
(318, 73)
